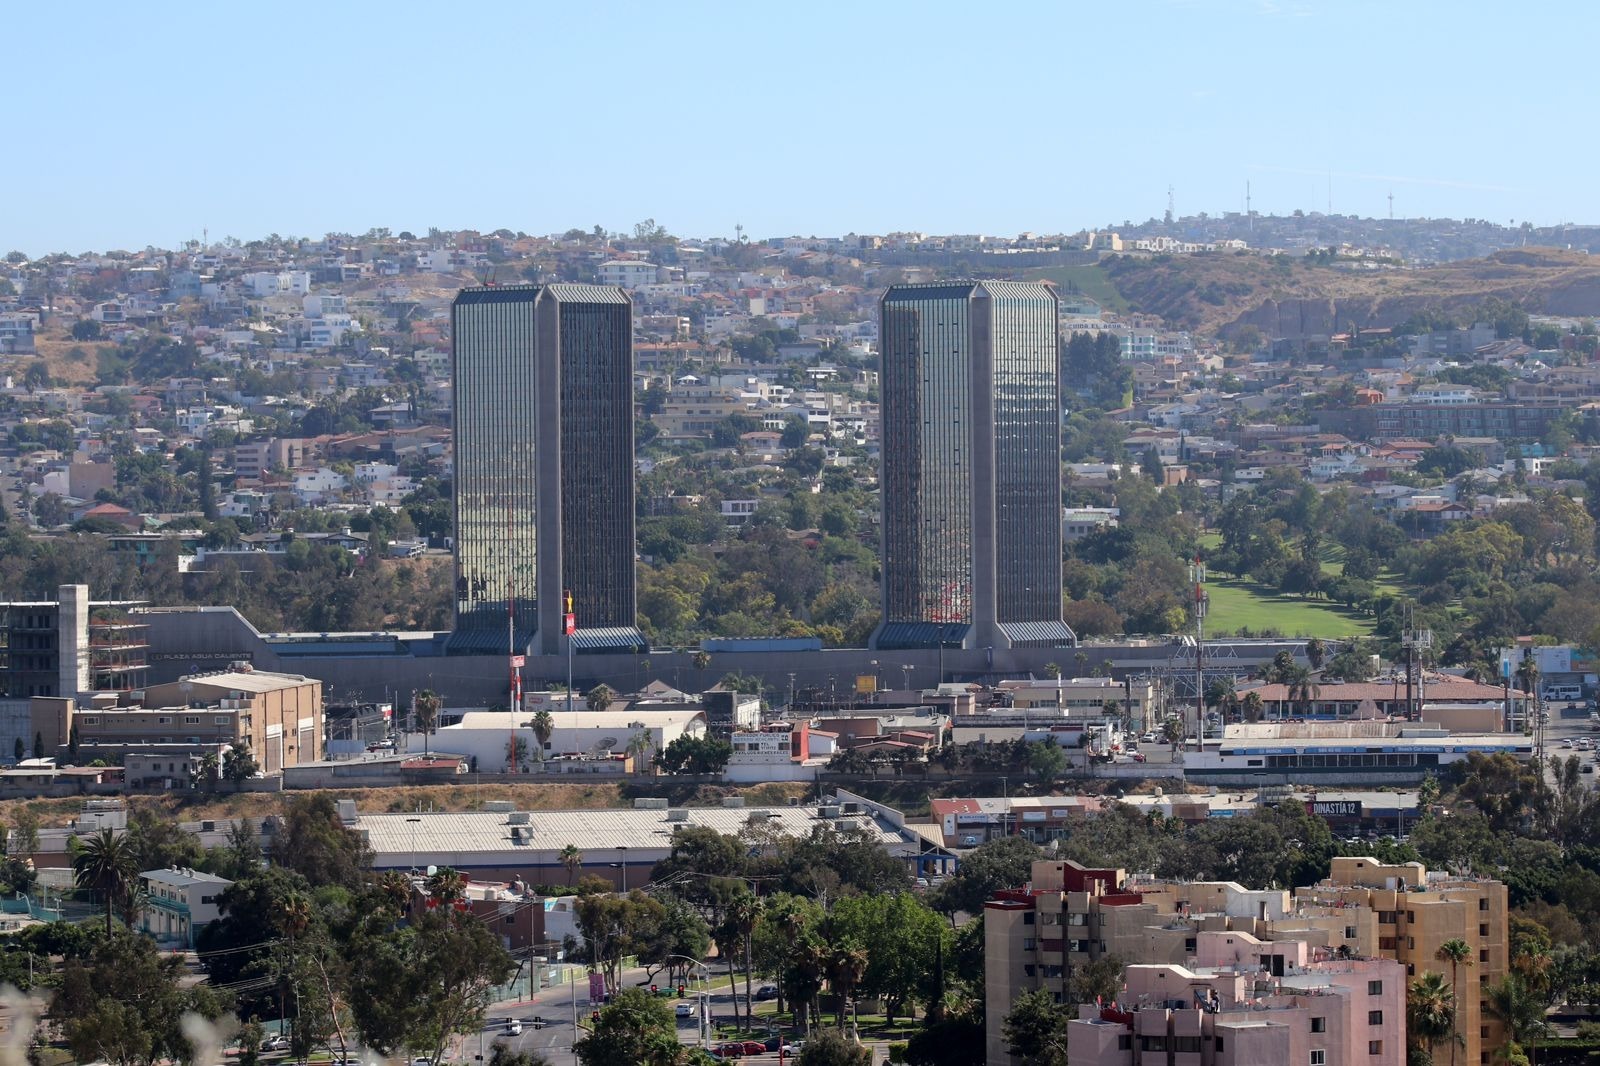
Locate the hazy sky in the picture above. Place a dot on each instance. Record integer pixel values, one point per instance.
(136, 124)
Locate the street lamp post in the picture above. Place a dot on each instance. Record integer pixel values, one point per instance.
(905, 673)
(413, 823)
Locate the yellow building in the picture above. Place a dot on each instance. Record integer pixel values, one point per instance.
(1417, 912)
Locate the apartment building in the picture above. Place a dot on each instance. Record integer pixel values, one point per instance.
(1418, 911)
(174, 905)
(1069, 915)
(1227, 1010)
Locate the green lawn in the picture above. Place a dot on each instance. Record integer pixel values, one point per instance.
(1237, 604)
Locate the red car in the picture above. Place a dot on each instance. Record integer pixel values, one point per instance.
(739, 1048)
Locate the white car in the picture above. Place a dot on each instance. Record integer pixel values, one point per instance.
(684, 1010)
(1150, 737)
(513, 1027)
(1566, 743)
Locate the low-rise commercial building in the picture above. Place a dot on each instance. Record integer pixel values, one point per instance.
(177, 904)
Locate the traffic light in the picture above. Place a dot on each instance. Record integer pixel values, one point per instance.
(655, 990)
(567, 602)
(595, 1017)
(680, 992)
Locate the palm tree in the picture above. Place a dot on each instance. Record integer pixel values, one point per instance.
(1303, 689)
(744, 913)
(446, 885)
(847, 965)
(640, 746)
(394, 891)
(1251, 706)
(809, 962)
(1316, 651)
(598, 699)
(1457, 953)
(106, 865)
(1514, 1005)
(1430, 1011)
(425, 711)
(701, 660)
(210, 768)
(572, 859)
(543, 725)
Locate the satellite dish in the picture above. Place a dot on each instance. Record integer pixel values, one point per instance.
(432, 870)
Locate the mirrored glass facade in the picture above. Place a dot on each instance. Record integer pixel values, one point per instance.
(971, 475)
(543, 411)
(496, 440)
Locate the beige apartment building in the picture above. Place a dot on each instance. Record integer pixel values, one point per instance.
(1069, 915)
(1416, 912)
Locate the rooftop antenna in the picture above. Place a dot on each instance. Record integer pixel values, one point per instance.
(1391, 205)
(1250, 219)
(1171, 214)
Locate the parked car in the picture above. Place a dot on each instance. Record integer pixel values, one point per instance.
(684, 1010)
(771, 991)
(1150, 737)
(1136, 756)
(275, 1042)
(774, 1042)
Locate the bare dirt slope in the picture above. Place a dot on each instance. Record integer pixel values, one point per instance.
(1289, 296)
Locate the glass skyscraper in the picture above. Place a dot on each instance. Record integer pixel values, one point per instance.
(971, 477)
(543, 419)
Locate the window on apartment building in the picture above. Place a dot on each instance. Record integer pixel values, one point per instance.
(1027, 919)
(1028, 943)
(191, 719)
(1411, 969)
(1029, 970)
(1483, 930)
(1483, 956)
(1220, 1045)
(1186, 1045)
(1411, 943)
(1125, 1042)
(1483, 903)
(1349, 932)
(1374, 1017)
(91, 721)
(1189, 945)
(1374, 988)
(1374, 1047)
(221, 719)
(1319, 1025)
(1483, 1032)
(1386, 917)
(1319, 1057)
(163, 721)
(1047, 919)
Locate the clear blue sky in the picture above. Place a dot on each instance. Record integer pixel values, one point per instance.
(136, 124)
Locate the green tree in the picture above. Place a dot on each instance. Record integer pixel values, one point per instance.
(420, 986)
(832, 1047)
(124, 1003)
(1006, 862)
(105, 865)
(695, 755)
(238, 764)
(598, 699)
(1036, 1030)
(315, 843)
(635, 1029)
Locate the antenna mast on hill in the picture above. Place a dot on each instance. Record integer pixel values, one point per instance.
(1391, 205)
(1172, 215)
(1249, 218)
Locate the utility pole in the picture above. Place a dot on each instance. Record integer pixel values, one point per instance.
(1197, 577)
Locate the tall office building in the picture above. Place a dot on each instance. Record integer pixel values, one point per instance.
(543, 395)
(971, 485)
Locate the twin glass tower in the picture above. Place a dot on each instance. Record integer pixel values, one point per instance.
(544, 467)
(971, 476)
(543, 415)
